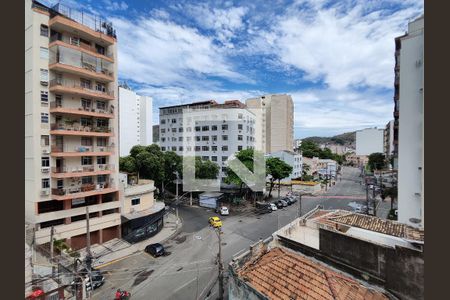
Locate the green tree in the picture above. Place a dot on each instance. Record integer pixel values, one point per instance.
(310, 149)
(205, 169)
(127, 164)
(173, 163)
(277, 169)
(390, 192)
(246, 157)
(377, 161)
(305, 169)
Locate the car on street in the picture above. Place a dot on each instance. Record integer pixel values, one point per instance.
(279, 204)
(292, 199)
(97, 278)
(263, 208)
(287, 200)
(155, 249)
(273, 206)
(224, 211)
(215, 222)
(283, 202)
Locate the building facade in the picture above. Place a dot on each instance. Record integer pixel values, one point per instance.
(220, 130)
(276, 113)
(411, 126)
(369, 140)
(135, 120)
(156, 134)
(327, 167)
(295, 160)
(389, 139)
(71, 161)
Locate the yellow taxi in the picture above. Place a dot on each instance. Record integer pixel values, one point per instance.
(215, 222)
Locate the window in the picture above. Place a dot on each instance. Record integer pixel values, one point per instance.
(163, 148)
(197, 148)
(58, 100)
(180, 148)
(240, 116)
(74, 41)
(163, 139)
(86, 180)
(45, 140)
(213, 148)
(85, 83)
(86, 160)
(188, 129)
(214, 127)
(45, 161)
(86, 141)
(214, 158)
(205, 157)
(102, 122)
(224, 169)
(174, 121)
(45, 183)
(43, 53)
(44, 96)
(44, 118)
(188, 138)
(205, 128)
(225, 127)
(240, 137)
(197, 128)
(44, 77)
(205, 138)
(101, 142)
(197, 138)
(174, 139)
(101, 160)
(101, 105)
(163, 130)
(224, 137)
(136, 201)
(180, 129)
(174, 130)
(100, 49)
(44, 30)
(240, 127)
(224, 148)
(188, 148)
(205, 148)
(224, 158)
(214, 138)
(239, 148)
(86, 122)
(180, 138)
(163, 121)
(86, 104)
(174, 148)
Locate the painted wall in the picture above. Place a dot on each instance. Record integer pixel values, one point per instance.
(369, 140)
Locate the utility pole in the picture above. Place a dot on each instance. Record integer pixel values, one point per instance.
(367, 196)
(78, 291)
(221, 288)
(52, 231)
(279, 188)
(300, 206)
(374, 201)
(88, 249)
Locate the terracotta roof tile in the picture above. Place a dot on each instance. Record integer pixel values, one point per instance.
(280, 274)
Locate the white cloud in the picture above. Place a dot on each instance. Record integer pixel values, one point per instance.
(115, 5)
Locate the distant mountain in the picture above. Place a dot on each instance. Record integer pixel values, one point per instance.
(345, 139)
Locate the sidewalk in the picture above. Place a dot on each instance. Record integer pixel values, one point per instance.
(117, 249)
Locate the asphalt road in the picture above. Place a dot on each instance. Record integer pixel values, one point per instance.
(190, 270)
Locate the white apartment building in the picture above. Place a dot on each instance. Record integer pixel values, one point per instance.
(219, 133)
(135, 120)
(294, 159)
(71, 159)
(276, 113)
(369, 140)
(410, 143)
(389, 139)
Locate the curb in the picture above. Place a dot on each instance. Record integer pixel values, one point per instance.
(114, 261)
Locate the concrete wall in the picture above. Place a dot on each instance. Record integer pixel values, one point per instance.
(410, 156)
(369, 140)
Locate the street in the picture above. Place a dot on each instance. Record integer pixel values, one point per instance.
(189, 271)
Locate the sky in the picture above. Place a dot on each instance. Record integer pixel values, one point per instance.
(335, 58)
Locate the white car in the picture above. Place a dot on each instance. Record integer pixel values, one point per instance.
(273, 206)
(224, 211)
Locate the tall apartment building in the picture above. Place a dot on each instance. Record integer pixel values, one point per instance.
(135, 120)
(410, 135)
(369, 140)
(389, 139)
(71, 160)
(156, 134)
(277, 121)
(225, 129)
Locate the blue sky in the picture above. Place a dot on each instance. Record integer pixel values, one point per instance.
(335, 58)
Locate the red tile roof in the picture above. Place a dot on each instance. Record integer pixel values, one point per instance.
(280, 274)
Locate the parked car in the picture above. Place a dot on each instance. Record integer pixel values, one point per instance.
(279, 204)
(273, 206)
(155, 249)
(263, 208)
(224, 211)
(97, 278)
(292, 199)
(287, 200)
(283, 202)
(215, 222)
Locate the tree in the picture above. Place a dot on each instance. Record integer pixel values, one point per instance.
(173, 163)
(377, 161)
(390, 192)
(127, 164)
(205, 169)
(310, 149)
(305, 169)
(246, 157)
(277, 169)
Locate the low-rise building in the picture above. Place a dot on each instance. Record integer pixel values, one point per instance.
(291, 158)
(142, 216)
(312, 164)
(356, 160)
(327, 167)
(369, 140)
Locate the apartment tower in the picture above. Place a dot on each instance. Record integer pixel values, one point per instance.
(135, 120)
(409, 76)
(71, 148)
(275, 114)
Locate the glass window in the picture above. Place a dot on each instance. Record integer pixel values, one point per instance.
(239, 148)
(213, 148)
(86, 160)
(102, 122)
(86, 141)
(224, 137)
(174, 121)
(224, 126)
(180, 138)
(43, 53)
(163, 139)
(224, 158)
(240, 116)
(205, 128)
(174, 148)
(101, 178)
(45, 161)
(214, 138)
(163, 130)
(45, 140)
(44, 117)
(180, 148)
(205, 138)
(180, 129)
(44, 30)
(44, 75)
(101, 105)
(197, 148)
(205, 148)
(101, 160)
(45, 183)
(214, 127)
(197, 128)
(214, 158)
(240, 138)
(163, 121)
(101, 141)
(86, 180)
(197, 138)
(205, 157)
(163, 148)
(174, 130)
(240, 126)
(135, 201)
(44, 96)
(224, 148)
(85, 83)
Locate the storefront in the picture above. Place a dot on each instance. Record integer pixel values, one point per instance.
(136, 227)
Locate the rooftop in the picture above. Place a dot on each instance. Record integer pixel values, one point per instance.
(281, 274)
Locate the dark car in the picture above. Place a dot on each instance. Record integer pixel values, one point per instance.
(155, 249)
(263, 208)
(287, 200)
(292, 199)
(283, 202)
(279, 204)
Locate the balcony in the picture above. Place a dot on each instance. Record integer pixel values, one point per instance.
(81, 171)
(80, 130)
(73, 151)
(84, 190)
(64, 59)
(107, 112)
(75, 88)
(64, 40)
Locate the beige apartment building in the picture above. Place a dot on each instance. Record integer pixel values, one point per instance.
(71, 159)
(277, 121)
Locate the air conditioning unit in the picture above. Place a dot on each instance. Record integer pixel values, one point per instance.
(45, 170)
(44, 83)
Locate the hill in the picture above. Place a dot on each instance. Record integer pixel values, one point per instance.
(345, 139)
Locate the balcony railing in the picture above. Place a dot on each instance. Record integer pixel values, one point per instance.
(67, 40)
(77, 85)
(107, 110)
(81, 188)
(77, 127)
(82, 149)
(82, 169)
(76, 58)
